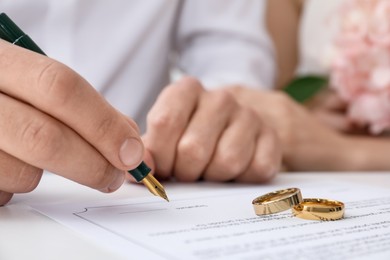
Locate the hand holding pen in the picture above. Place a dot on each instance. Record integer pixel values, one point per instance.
(53, 119)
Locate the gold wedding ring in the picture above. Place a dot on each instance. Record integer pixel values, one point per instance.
(319, 209)
(277, 201)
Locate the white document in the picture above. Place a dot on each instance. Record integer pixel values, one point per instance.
(223, 225)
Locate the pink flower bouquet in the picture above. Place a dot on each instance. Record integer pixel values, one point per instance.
(360, 68)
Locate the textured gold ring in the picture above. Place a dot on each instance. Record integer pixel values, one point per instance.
(319, 209)
(277, 201)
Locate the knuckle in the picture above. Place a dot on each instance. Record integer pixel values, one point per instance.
(186, 86)
(58, 83)
(192, 149)
(165, 120)
(223, 98)
(42, 139)
(190, 81)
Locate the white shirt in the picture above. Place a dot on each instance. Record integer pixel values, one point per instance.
(126, 48)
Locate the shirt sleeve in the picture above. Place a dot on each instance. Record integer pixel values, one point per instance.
(224, 42)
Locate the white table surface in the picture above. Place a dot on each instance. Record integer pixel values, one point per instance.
(26, 234)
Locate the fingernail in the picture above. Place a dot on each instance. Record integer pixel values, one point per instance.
(131, 152)
(118, 181)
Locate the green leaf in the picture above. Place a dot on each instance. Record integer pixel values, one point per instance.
(303, 88)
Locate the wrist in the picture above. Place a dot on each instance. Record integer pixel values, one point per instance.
(339, 154)
(355, 154)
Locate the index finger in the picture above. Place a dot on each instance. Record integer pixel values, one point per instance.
(58, 91)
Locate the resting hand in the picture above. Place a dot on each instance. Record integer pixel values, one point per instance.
(193, 133)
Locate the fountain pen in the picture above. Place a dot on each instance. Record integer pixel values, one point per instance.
(10, 32)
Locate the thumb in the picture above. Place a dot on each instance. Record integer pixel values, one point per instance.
(148, 159)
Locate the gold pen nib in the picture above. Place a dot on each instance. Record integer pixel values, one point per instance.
(154, 186)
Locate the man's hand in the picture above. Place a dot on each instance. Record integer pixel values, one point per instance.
(52, 119)
(193, 133)
(331, 110)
